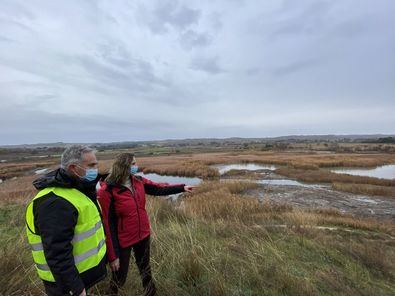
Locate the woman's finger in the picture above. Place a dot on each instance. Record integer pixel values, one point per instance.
(114, 267)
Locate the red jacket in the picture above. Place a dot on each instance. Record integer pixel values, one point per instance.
(125, 219)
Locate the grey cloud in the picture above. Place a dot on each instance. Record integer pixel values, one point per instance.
(104, 73)
(134, 75)
(14, 9)
(46, 98)
(115, 56)
(6, 39)
(308, 19)
(253, 71)
(191, 39)
(350, 28)
(14, 24)
(113, 48)
(173, 14)
(207, 64)
(55, 77)
(215, 20)
(27, 125)
(296, 66)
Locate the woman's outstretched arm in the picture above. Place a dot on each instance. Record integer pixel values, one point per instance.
(153, 188)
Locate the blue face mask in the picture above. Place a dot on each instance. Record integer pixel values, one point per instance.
(90, 174)
(134, 169)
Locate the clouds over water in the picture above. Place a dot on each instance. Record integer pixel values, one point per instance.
(132, 70)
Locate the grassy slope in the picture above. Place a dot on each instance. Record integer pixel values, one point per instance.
(217, 242)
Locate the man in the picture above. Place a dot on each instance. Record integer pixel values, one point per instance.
(64, 227)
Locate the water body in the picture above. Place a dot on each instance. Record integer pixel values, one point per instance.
(384, 172)
(223, 168)
(171, 179)
(41, 171)
(366, 200)
(287, 182)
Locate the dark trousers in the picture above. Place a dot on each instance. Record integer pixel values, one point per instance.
(141, 252)
(51, 289)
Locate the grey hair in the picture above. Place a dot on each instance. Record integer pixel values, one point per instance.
(74, 154)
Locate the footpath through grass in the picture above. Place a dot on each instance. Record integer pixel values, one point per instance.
(218, 242)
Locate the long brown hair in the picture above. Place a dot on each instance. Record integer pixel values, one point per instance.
(120, 170)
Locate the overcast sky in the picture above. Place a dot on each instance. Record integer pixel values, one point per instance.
(100, 71)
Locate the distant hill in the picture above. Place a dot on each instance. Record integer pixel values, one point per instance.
(375, 138)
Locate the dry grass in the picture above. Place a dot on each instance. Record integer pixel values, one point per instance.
(9, 170)
(18, 274)
(300, 160)
(303, 166)
(19, 190)
(341, 182)
(365, 189)
(186, 169)
(323, 176)
(217, 242)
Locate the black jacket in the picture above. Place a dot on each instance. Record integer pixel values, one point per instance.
(55, 219)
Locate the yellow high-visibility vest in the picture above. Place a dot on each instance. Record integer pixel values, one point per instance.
(88, 243)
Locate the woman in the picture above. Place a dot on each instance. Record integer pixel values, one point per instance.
(125, 219)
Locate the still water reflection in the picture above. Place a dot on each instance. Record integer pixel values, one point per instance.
(384, 172)
(171, 179)
(223, 168)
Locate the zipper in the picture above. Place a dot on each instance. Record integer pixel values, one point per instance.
(121, 222)
(137, 208)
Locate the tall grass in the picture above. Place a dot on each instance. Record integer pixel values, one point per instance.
(301, 165)
(323, 176)
(218, 250)
(18, 276)
(215, 242)
(186, 169)
(9, 170)
(365, 189)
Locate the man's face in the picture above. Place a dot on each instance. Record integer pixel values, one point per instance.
(89, 161)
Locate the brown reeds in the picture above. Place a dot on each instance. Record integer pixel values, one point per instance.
(324, 176)
(9, 170)
(218, 241)
(365, 189)
(185, 169)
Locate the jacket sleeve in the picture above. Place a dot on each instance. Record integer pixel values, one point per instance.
(109, 222)
(55, 220)
(153, 188)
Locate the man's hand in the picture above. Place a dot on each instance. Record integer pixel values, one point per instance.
(83, 293)
(114, 264)
(188, 188)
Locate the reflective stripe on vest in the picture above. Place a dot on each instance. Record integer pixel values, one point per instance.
(88, 242)
(76, 238)
(78, 258)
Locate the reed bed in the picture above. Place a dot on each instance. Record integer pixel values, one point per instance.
(365, 189)
(216, 241)
(9, 170)
(324, 176)
(186, 169)
(198, 164)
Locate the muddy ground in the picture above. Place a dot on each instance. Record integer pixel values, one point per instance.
(316, 196)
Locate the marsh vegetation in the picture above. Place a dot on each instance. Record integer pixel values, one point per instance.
(228, 237)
